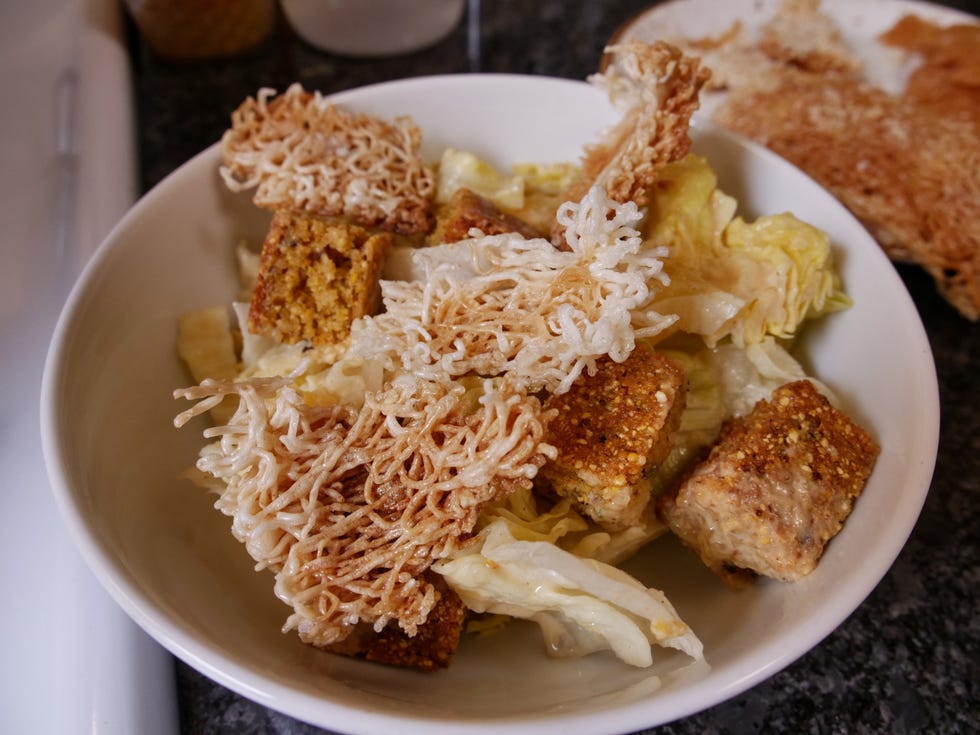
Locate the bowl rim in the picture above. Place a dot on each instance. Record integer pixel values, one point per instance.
(749, 670)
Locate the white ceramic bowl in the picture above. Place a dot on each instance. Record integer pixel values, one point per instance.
(168, 559)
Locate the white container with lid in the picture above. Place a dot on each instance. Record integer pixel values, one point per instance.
(372, 27)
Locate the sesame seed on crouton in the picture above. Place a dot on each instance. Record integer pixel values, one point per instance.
(776, 487)
(611, 430)
(316, 276)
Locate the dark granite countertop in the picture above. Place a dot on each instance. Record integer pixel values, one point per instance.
(906, 660)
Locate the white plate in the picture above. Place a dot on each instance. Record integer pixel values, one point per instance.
(168, 559)
(860, 23)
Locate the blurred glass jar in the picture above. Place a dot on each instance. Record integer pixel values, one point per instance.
(372, 27)
(187, 30)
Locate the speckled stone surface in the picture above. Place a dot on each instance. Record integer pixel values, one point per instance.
(906, 660)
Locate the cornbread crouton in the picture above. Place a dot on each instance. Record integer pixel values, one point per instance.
(467, 209)
(611, 430)
(316, 276)
(431, 648)
(776, 487)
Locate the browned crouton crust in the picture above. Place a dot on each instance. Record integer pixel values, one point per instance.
(467, 209)
(316, 277)
(611, 430)
(777, 486)
(431, 648)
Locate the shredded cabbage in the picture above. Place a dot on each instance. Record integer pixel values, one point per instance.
(730, 278)
(582, 605)
(461, 169)
(527, 184)
(552, 178)
(564, 527)
(793, 277)
(745, 376)
(722, 383)
(254, 346)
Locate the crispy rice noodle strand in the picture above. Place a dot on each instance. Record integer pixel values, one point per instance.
(656, 87)
(521, 307)
(348, 507)
(301, 152)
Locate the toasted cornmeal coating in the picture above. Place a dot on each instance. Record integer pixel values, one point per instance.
(777, 486)
(431, 648)
(467, 209)
(611, 430)
(316, 276)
